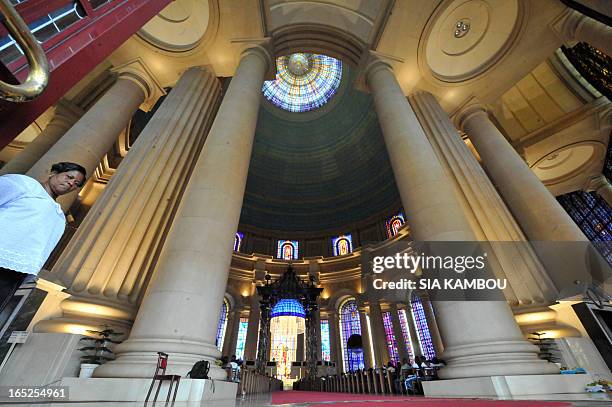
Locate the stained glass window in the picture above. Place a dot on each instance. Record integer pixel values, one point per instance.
(238, 241)
(325, 344)
(303, 81)
(350, 325)
(594, 217)
(394, 224)
(242, 334)
(287, 250)
(418, 315)
(342, 245)
(401, 313)
(222, 325)
(390, 337)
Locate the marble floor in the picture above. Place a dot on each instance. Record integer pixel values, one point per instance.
(266, 400)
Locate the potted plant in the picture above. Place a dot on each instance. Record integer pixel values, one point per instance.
(98, 349)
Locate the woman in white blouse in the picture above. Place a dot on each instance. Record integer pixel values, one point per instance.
(31, 222)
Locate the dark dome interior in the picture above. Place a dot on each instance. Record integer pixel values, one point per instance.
(319, 170)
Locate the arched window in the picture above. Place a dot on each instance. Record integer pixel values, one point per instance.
(394, 224)
(420, 323)
(342, 245)
(238, 241)
(222, 325)
(349, 326)
(287, 250)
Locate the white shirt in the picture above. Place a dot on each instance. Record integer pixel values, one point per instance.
(31, 224)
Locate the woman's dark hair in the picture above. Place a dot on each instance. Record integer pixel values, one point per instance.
(66, 166)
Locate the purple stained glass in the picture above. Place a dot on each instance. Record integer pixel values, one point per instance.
(390, 337)
(420, 323)
(401, 313)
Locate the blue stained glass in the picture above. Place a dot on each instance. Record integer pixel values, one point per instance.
(390, 337)
(242, 334)
(342, 245)
(325, 343)
(303, 81)
(593, 215)
(418, 314)
(222, 325)
(350, 325)
(289, 307)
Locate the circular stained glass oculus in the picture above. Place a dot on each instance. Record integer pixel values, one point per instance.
(303, 81)
(288, 307)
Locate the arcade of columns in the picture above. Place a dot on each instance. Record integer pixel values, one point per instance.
(149, 204)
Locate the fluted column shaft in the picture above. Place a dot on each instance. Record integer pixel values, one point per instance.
(65, 115)
(536, 209)
(473, 346)
(365, 339)
(110, 258)
(94, 134)
(193, 269)
(579, 27)
(397, 332)
(334, 340)
(378, 333)
(486, 212)
(250, 347)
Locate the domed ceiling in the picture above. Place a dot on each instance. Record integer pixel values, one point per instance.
(321, 169)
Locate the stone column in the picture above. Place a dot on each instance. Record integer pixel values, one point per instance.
(250, 347)
(397, 332)
(94, 134)
(378, 333)
(486, 212)
(334, 341)
(536, 209)
(602, 187)
(436, 340)
(107, 264)
(577, 27)
(491, 344)
(193, 268)
(65, 115)
(231, 335)
(365, 338)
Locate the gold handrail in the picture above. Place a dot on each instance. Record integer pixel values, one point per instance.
(38, 77)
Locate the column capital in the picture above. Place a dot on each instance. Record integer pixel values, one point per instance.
(262, 51)
(595, 183)
(140, 74)
(374, 64)
(470, 109)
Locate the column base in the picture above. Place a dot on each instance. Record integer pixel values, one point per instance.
(137, 358)
(508, 386)
(502, 358)
(119, 389)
